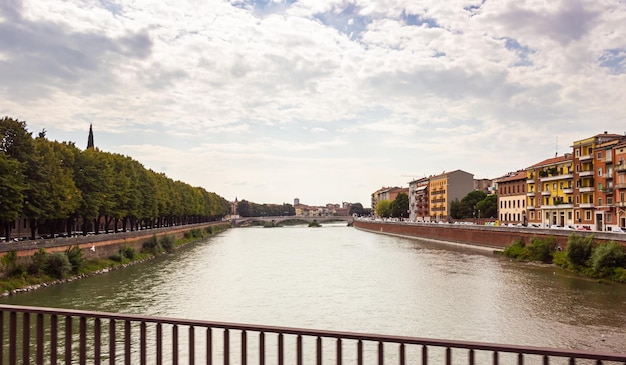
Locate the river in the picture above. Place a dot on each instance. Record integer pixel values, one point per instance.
(340, 278)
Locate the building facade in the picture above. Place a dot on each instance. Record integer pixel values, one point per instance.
(418, 200)
(593, 158)
(512, 198)
(550, 192)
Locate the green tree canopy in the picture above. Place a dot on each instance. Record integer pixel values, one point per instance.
(383, 208)
(400, 206)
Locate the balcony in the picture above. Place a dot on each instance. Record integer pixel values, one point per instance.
(530, 207)
(585, 173)
(530, 193)
(585, 157)
(620, 167)
(586, 205)
(608, 175)
(545, 193)
(568, 190)
(586, 189)
(557, 177)
(530, 181)
(620, 204)
(607, 190)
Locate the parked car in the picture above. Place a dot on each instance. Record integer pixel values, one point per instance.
(583, 228)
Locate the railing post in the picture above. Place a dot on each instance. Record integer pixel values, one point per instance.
(339, 354)
(381, 355)
(424, 355)
(159, 344)
(112, 342)
(262, 348)
(209, 346)
(280, 349)
(40, 339)
(25, 338)
(13, 338)
(68, 340)
(359, 352)
(54, 332)
(97, 338)
(142, 343)
(127, 339)
(175, 344)
(299, 350)
(192, 343)
(226, 347)
(402, 354)
(319, 351)
(82, 340)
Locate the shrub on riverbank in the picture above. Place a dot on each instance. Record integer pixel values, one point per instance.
(43, 269)
(582, 255)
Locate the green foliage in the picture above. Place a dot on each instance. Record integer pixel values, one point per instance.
(249, 209)
(193, 234)
(460, 210)
(559, 258)
(541, 249)
(128, 252)
(9, 261)
(537, 250)
(606, 257)
(39, 260)
(117, 257)
(516, 250)
(151, 245)
(58, 265)
(75, 256)
(383, 208)
(579, 249)
(167, 242)
(400, 206)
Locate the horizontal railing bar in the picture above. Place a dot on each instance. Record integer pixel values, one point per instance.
(527, 350)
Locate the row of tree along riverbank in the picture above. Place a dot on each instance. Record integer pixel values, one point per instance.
(30, 264)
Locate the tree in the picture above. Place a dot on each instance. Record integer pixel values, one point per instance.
(11, 198)
(471, 199)
(460, 210)
(357, 208)
(400, 206)
(383, 208)
(488, 207)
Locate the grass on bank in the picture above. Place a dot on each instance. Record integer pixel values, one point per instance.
(45, 267)
(583, 255)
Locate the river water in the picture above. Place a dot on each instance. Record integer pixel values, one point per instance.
(340, 278)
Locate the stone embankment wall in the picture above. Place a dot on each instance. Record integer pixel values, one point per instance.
(101, 245)
(487, 236)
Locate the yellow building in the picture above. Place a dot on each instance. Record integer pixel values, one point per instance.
(445, 188)
(550, 192)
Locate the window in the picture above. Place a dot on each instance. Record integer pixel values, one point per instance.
(578, 215)
(532, 215)
(599, 154)
(609, 200)
(554, 186)
(600, 201)
(588, 215)
(569, 215)
(609, 217)
(577, 152)
(599, 186)
(599, 171)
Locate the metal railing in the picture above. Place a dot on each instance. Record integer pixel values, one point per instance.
(33, 335)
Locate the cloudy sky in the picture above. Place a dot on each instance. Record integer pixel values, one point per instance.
(324, 100)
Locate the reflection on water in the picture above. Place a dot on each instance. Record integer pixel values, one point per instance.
(340, 278)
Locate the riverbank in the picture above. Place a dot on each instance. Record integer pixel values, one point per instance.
(99, 254)
(481, 236)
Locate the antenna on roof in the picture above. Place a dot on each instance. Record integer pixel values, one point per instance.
(556, 146)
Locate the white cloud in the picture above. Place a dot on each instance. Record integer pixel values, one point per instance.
(333, 98)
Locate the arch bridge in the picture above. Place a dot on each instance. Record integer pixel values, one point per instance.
(280, 219)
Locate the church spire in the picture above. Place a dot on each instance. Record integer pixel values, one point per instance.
(90, 139)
